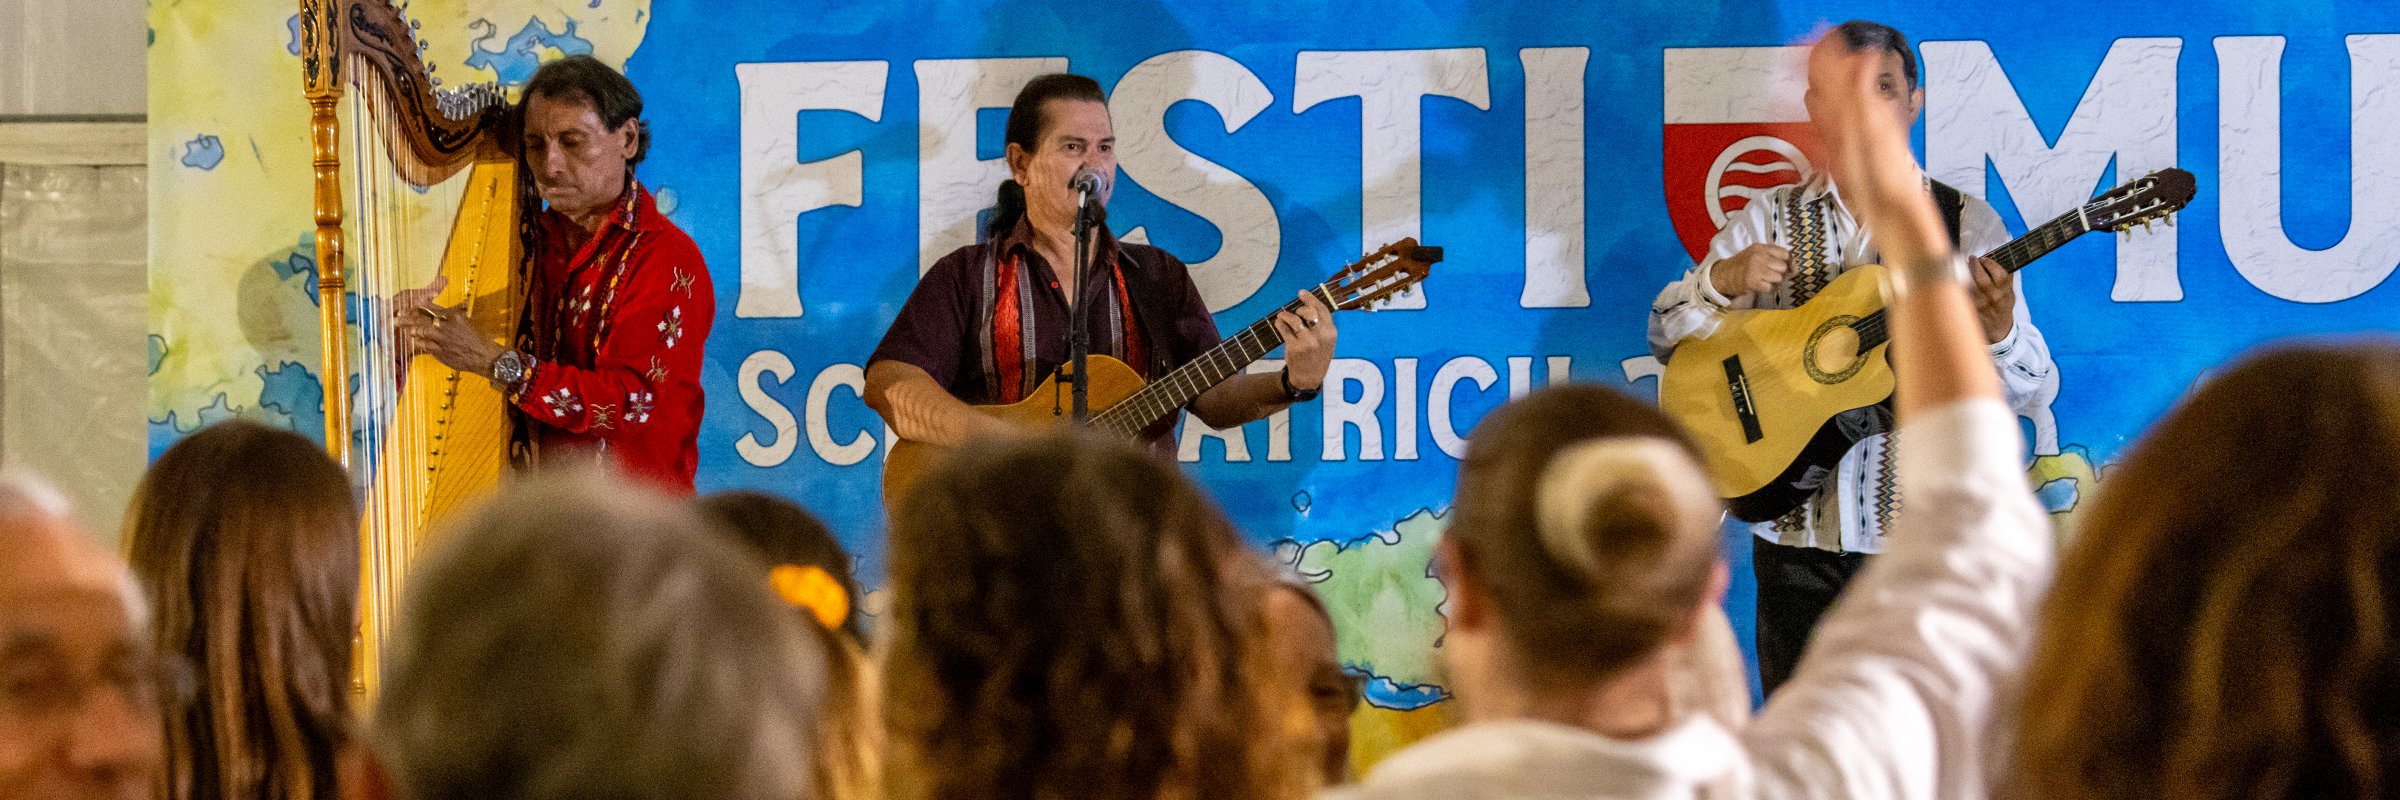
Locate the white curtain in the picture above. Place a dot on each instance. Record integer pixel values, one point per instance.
(74, 349)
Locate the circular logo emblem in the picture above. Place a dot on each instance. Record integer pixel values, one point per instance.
(1749, 169)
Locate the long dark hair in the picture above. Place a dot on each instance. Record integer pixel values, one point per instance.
(245, 539)
(1027, 123)
(2225, 624)
(1072, 619)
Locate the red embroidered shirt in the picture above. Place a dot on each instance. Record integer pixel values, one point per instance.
(616, 329)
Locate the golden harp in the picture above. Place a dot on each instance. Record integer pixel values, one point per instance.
(388, 149)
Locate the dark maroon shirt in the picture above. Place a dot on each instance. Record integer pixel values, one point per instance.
(939, 329)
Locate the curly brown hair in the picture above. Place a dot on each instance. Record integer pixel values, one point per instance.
(1071, 618)
(2224, 624)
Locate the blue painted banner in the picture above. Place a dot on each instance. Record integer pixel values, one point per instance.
(1571, 158)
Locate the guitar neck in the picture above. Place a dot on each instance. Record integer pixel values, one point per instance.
(1874, 329)
(1177, 388)
(2040, 241)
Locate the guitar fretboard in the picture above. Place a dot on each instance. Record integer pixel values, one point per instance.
(1875, 328)
(1162, 396)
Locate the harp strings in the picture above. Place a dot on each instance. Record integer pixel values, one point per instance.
(386, 422)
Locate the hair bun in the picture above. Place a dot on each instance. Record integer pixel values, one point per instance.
(1582, 476)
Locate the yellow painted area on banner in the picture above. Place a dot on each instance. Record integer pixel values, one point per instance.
(1377, 733)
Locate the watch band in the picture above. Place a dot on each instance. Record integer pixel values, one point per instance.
(1293, 394)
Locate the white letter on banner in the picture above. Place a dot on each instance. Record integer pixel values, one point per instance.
(776, 188)
(1554, 263)
(2127, 113)
(1404, 414)
(1341, 411)
(1562, 370)
(2250, 172)
(1520, 376)
(1187, 446)
(952, 184)
(1253, 238)
(1391, 86)
(1437, 404)
(1279, 424)
(820, 434)
(754, 393)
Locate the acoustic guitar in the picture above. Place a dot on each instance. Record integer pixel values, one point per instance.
(1761, 393)
(1124, 405)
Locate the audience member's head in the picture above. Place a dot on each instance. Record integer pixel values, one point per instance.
(783, 534)
(808, 569)
(1073, 619)
(1581, 517)
(1306, 658)
(578, 636)
(245, 540)
(2225, 623)
(79, 685)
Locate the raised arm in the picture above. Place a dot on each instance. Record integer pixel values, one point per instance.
(1938, 348)
(1908, 683)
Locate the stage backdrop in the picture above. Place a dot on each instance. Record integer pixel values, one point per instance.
(1570, 157)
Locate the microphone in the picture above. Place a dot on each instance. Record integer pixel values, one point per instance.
(1086, 184)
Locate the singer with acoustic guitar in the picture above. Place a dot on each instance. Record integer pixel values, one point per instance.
(988, 324)
(1776, 253)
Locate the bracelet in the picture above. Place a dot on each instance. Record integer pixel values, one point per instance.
(1947, 268)
(1293, 394)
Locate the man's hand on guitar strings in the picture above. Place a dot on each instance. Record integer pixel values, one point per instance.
(1308, 339)
(1995, 295)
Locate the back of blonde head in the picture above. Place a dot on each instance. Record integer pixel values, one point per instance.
(1585, 515)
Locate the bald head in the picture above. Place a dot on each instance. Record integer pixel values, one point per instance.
(78, 704)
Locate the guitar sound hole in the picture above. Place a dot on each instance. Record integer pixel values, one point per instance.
(1833, 344)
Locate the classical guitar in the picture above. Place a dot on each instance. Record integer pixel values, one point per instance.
(1124, 405)
(1761, 393)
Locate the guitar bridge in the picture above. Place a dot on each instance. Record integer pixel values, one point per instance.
(1743, 405)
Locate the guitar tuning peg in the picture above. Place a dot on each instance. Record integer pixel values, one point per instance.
(2170, 220)
(2128, 231)
(2146, 225)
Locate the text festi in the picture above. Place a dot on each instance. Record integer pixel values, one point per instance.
(1371, 410)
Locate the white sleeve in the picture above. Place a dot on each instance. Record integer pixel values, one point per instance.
(1907, 690)
(2027, 374)
(1691, 306)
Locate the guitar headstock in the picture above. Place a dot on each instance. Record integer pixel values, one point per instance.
(2140, 201)
(1393, 270)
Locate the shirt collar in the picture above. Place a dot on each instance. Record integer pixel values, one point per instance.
(1020, 236)
(635, 210)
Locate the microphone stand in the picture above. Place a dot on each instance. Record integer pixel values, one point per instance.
(1079, 344)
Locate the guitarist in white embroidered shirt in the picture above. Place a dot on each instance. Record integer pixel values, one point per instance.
(1759, 260)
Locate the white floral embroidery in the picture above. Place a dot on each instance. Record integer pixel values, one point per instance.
(563, 403)
(637, 408)
(670, 330)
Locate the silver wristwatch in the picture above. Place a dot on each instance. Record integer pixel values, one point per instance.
(510, 371)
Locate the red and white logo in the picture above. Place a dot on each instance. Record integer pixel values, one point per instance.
(1735, 129)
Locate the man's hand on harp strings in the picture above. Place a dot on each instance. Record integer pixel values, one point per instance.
(427, 328)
